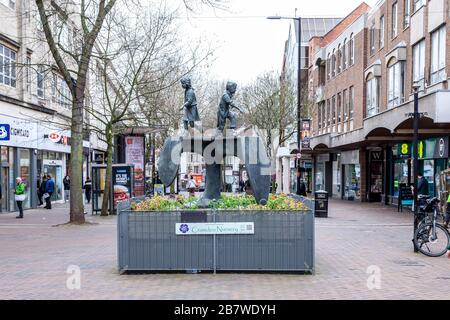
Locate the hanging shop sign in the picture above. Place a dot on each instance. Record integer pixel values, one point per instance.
(441, 148)
(306, 134)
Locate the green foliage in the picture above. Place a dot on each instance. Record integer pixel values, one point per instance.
(226, 202)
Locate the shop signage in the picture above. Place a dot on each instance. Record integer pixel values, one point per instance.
(441, 148)
(185, 229)
(134, 155)
(435, 148)
(376, 156)
(4, 132)
(17, 132)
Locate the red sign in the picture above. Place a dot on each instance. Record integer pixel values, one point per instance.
(54, 137)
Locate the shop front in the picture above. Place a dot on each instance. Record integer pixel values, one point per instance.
(18, 143)
(433, 159)
(351, 173)
(322, 173)
(375, 175)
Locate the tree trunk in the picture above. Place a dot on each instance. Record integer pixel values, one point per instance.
(109, 157)
(76, 163)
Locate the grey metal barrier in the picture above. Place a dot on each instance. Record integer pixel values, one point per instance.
(282, 242)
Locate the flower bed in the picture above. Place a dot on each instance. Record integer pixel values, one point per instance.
(226, 202)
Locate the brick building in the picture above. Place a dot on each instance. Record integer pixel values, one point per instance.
(362, 80)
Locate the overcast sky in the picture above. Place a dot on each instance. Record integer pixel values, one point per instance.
(247, 43)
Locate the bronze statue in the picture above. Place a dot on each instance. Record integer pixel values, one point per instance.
(225, 106)
(190, 104)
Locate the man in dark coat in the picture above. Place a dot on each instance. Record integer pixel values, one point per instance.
(422, 187)
(225, 106)
(190, 104)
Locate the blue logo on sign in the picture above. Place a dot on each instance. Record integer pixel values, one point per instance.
(184, 228)
(4, 132)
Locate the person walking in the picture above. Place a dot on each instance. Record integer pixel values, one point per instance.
(19, 196)
(302, 188)
(49, 189)
(88, 189)
(191, 186)
(41, 190)
(66, 183)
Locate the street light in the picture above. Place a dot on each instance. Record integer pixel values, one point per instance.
(416, 115)
(299, 68)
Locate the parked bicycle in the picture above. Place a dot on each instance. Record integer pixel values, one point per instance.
(431, 238)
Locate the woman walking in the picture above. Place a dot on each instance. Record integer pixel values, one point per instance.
(19, 195)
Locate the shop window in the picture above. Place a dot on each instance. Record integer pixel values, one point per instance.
(24, 173)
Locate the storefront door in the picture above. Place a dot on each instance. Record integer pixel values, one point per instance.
(56, 173)
(5, 189)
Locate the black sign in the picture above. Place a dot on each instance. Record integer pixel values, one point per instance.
(405, 192)
(376, 156)
(122, 186)
(441, 148)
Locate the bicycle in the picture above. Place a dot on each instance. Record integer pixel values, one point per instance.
(431, 238)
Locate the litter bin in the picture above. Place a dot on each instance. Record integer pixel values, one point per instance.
(321, 204)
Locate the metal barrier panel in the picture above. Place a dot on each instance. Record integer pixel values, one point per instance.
(283, 241)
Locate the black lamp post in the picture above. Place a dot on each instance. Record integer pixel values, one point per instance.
(416, 115)
(299, 87)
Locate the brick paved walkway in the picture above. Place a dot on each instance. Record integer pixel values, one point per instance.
(35, 254)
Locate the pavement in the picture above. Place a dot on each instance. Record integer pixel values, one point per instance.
(363, 251)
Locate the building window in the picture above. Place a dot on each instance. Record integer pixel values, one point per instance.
(319, 116)
(438, 55)
(394, 21)
(407, 15)
(7, 66)
(339, 59)
(40, 76)
(396, 83)
(333, 64)
(305, 57)
(64, 94)
(328, 67)
(352, 50)
(339, 108)
(372, 96)
(28, 74)
(344, 55)
(381, 32)
(333, 109)
(419, 64)
(345, 105)
(417, 4)
(372, 38)
(351, 100)
(328, 113)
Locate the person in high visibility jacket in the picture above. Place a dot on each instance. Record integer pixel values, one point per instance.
(447, 213)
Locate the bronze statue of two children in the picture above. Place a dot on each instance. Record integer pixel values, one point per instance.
(225, 107)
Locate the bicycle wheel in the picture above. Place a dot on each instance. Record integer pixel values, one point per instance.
(429, 245)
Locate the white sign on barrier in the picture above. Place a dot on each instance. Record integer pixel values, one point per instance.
(185, 229)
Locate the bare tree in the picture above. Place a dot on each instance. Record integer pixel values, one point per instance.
(91, 16)
(269, 109)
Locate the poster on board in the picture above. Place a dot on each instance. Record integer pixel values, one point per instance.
(134, 155)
